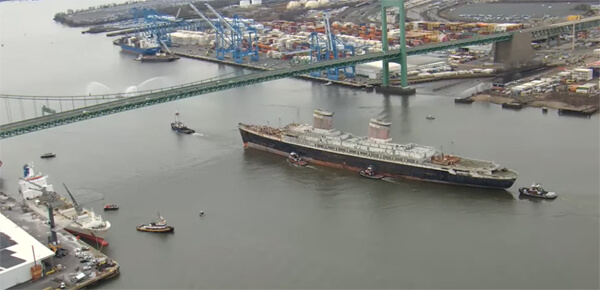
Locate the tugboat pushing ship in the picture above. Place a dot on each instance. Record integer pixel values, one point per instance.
(322, 144)
(296, 160)
(370, 172)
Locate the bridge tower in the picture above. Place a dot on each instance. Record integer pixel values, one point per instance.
(385, 88)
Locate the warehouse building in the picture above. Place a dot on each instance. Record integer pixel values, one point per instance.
(17, 250)
(374, 70)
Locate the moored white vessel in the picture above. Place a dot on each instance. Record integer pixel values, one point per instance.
(82, 222)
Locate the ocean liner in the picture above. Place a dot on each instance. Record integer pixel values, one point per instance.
(322, 144)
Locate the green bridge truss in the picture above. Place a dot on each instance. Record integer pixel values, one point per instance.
(564, 28)
(153, 97)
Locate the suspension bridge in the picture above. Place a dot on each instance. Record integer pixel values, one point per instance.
(101, 105)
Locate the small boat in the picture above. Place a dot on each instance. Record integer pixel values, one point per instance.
(430, 117)
(536, 190)
(180, 127)
(295, 159)
(328, 84)
(48, 155)
(156, 227)
(544, 109)
(465, 100)
(111, 207)
(370, 173)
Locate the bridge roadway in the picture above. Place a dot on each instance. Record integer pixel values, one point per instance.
(189, 90)
(543, 32)
(149, 98)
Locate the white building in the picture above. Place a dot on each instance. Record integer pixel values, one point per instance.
(256, 2)
(583, 74)
(373, 70)
(17, 249)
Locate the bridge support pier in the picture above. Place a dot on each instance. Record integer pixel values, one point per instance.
(514, 52)
(386, 88)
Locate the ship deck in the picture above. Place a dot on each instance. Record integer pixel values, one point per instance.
(346, 143)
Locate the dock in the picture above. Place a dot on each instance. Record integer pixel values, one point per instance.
(584, 111)
(465, 100)
(68, 269)
(512, 105)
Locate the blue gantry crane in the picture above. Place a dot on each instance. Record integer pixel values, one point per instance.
(330, 47)
(236, 38)
(158, 26)
(223, 43)
(153, 25)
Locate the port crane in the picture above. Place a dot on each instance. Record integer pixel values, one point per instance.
(330, 47)
(236, 38)
(154, 25)
(223, 44)
(48, 200)
(159, 26)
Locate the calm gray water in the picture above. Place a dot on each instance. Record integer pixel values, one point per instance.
(270, 225)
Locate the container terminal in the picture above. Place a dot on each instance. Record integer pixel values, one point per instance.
(31, 260)
(308, 31)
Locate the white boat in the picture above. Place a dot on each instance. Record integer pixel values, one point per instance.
(536, 190)
(82, 222)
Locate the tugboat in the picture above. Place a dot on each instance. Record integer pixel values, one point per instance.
(156, 227)
(295, 159)
(370, 173)
(430, 117)
(48, 155)
(536, 190)
(111, 207)
(180, 127)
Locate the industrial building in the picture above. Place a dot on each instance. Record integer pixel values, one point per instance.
(373, 70)
(21, 255)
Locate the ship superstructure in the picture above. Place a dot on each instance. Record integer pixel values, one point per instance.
(323, 144)
(37, 193)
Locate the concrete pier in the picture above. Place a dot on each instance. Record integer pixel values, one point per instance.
(402, 91)
(59, 269)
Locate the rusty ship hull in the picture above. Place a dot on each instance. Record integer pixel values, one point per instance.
(322, 144)
(355, 163)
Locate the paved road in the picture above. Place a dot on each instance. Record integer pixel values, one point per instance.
(37, 228)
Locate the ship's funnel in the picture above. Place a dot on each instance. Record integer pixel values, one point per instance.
(379, 131)
(323, 120)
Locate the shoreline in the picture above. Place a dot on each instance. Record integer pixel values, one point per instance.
(539, 103)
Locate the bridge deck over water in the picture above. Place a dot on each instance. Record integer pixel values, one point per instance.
(194, 89)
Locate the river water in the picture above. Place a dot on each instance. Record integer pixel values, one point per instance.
(270, 225)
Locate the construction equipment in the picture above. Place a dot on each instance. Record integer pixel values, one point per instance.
(329, 47)
(159, 26)
(47, 198)
(236, 38)
(223, 44)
